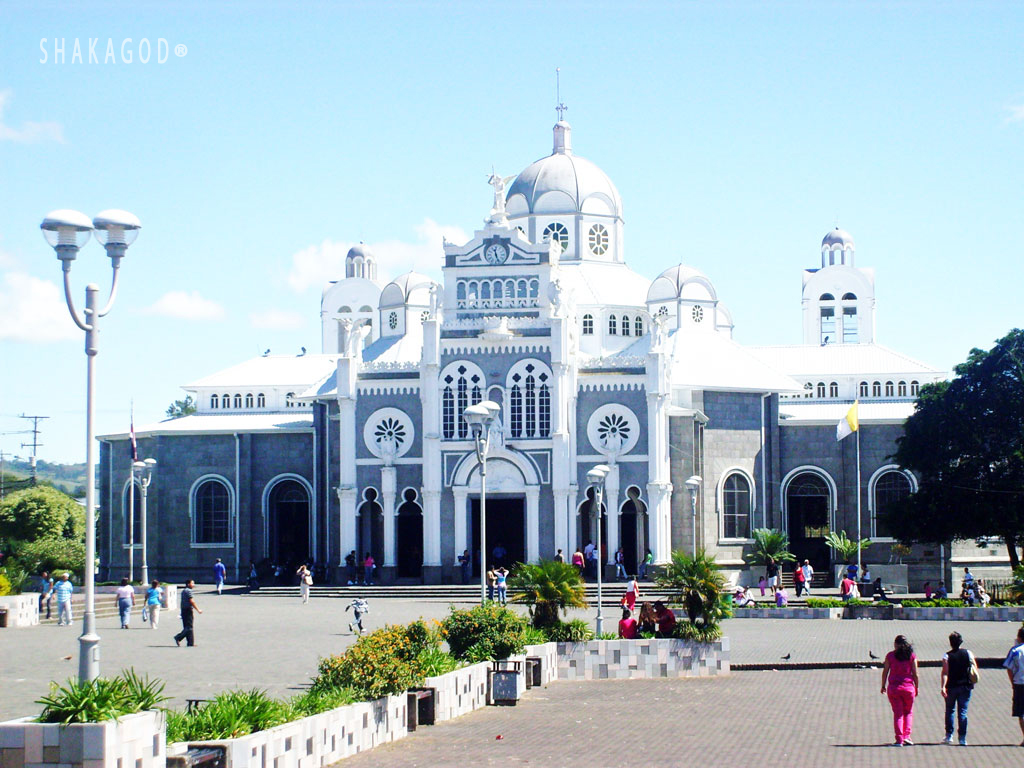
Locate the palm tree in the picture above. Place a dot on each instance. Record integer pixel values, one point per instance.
(845, 548)
(696, 583)
(770, 542)
(548, 587)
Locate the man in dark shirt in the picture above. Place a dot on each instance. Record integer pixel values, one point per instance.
(956, 687)
(666, 620)
(188, 605)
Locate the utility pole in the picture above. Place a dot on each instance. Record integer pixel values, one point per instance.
(35, 444)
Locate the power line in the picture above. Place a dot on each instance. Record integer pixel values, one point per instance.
(35, 444)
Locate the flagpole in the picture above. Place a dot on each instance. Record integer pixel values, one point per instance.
(131, 497)
(860, 568)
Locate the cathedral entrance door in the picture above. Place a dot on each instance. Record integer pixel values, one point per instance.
(289, 525)
(506, 531)
(409, 537)
(807, 504)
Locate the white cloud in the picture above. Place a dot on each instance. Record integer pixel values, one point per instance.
(186, 306)
(1016, 113)
(277, 320)
(30, 132)
(33, 310)
(316, 265)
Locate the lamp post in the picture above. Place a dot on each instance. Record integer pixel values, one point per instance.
(144, 470)
(693, 484)
(67, 231)
(480, 417)
(596, 478)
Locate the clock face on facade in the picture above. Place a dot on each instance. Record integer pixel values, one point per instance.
(496, 253)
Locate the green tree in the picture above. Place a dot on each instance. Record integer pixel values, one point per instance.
(548, 587)
(180, 408)
(41, 512)
(845, 548)
(965, 444)
(770, 542)
(697, 584)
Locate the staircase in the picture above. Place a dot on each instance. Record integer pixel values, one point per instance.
(819, 581)
(106, 607)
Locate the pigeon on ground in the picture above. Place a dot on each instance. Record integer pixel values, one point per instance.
(787, 657)
(872, 655)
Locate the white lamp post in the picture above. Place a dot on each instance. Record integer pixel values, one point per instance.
(67, 231)
(480, 417)
(693, 484)
(596, 478)
(144, 470)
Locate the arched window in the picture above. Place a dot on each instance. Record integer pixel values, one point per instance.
(211, 513)
(529, 410)
(238, 400)
(461, 386)
(225, 400)
(214, 400)
(588, 325)
(248, 400)
(557, 231)
(827, 297)
(891, 487)
(833, 389)
(849, 297)
(863, 390)
(821, 389)
(901, 389)
(736, 507)
(261, 400)
(289, 400)
(876, 389)
(613, 327)
(625, 325)
(638, 326)
(915, 389)
(126, 503)
(889, 390)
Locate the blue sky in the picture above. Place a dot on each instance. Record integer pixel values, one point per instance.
(737, 134)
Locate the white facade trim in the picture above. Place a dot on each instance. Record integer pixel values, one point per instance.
(265, 507)
(720, 503)
(872, 482)
(192, 511)
(833, 494)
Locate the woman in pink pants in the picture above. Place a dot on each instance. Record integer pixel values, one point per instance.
(899, 680)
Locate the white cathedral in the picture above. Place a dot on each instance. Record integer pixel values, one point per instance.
(364, 448)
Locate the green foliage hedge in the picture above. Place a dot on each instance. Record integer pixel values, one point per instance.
(488, 631)
(92, 701)
(386, 661)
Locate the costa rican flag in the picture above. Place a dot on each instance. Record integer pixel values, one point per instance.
(134, 445)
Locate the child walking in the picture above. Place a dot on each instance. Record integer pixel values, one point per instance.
(359, 606)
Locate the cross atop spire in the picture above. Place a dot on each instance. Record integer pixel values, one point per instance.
(560, 108)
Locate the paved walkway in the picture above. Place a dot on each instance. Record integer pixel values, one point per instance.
(810, 719)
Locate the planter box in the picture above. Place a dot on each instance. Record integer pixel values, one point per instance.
(319, 739)
(133, 741)
(640, 659)
(883, 611)
(22, 610)
(787, 613)
(459, 692)
(548, 655)
(998, 613)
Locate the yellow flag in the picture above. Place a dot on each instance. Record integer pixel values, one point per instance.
(848, 424)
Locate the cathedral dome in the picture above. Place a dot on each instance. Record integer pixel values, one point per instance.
(681, 282)
(837, 237)
(563, 183)
(360, 262)
(411, 289)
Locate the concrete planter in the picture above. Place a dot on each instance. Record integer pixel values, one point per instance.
(787, 613)
(459, 692)
(641, 659)
(133, 741)
(22, 610)
(998, 613)
(883, 611)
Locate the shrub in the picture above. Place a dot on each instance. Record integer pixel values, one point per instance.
(824, 602)
(41, 512)
(548, 587)
(229, 715)
(54, 555)
(575, 631)
(491, 630)
(846, 549)
(770, 542)
(386, 661)
(697, 584)
(314, 702)
(938, 602)
(434, 662)
(534, 636)
(92, 701)
(5, 585)
(698, 633)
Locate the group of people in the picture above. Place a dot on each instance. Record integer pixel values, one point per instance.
(657, 620)
(771, 580)
(586, 561)
(901, 683)
(360, 570)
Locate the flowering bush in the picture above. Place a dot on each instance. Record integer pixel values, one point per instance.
(488, 631)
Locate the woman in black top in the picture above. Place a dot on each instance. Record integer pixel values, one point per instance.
(957, 686)
(771, 572)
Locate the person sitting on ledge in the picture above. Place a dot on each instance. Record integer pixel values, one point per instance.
(878, 591)
(743, 599)
(627, 625)
(666, 620)
(781, 598)
(941, 593)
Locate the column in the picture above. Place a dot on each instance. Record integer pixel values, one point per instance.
(347, 518)
(432, 528)
(570, 519)
(660, 495)
(611, 504)
(532, 523)
(387, 502)
(461, 496)
(562, 517)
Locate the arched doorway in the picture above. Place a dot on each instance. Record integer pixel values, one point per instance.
(409, 537)
(808, 504)
(586, 530)
(371, 529)
(288, 514)
(633, 529)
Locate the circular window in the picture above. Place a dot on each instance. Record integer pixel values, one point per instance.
(393, 320)
(388, 433)
(663, 312)
(424, 316)
(557, 231)
(613, 429)
(698, 314)
(598, 239)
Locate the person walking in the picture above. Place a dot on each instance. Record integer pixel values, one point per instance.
(900, 683)
(305, 582)
(808, 570)
(499, 583)
(45, 593)
(254, 578)
(620, 564)
(632, 594)
(464, 565)
(353, 569)
(125, 602)
(188, 610)
(577, 560)
(558, 557)
(956, 683)
(359, 607)
(368, 566)
(646, 564)
(219, 574)
(771, 573)
(1014, 665)
(799, 580)
(154, 602)
(63, 590)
